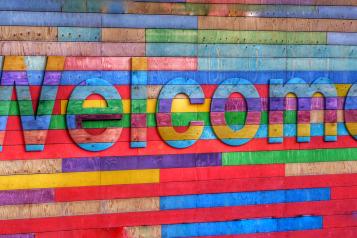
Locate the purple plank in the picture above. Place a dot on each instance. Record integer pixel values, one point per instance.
(26, 196)
(141, 162)
(18, 236)
(10, 77)
(316, 103)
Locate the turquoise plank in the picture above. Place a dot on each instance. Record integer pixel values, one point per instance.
(287, 64)
(79, 34)
(171, 49)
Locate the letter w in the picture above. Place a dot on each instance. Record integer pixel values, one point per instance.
(35, 127)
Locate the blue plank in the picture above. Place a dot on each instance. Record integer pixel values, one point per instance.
(31, 5)
(243, 198)
(149, 21)
(339, 38)
(338, 12)
(79, 34)
(248, 226)
(276, 64)
(16, 18)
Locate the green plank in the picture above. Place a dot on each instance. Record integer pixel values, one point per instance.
(168, 35)
(289, 156)
(260, 37)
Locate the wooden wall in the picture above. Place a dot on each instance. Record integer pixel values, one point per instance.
(58, 181)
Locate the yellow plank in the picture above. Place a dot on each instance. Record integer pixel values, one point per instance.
(79, 179)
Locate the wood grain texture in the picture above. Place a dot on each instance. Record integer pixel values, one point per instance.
(143, 231)
(301, 169)
(276, 24)
(30, 167)
(123, 35)
(71, 48)
(59, 209)
(21, 33)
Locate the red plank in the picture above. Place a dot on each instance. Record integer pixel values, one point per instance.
(342, 220)
(93, 233)
(344, 192)
(229, 172)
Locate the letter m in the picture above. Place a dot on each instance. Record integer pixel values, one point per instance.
(304, 93)
(15, 74)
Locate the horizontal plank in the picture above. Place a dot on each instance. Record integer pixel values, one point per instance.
(302, 169)
(16, 33)
(79, 34)
(13, 197)
(288, 2)
(284, 11)
(242, 226)
(241, 37)
(14, 167)
(22, 18)
(276, 24)
(141, 162)
(123, 35)
(60, 209)
(243, 198)
(348, 232)
(288, 156)
(77, 179)
(342, 38)
(264, 64)
(250, 50)
(71, 48)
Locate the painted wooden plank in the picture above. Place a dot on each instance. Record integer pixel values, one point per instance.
(301, 169)
(287, 2)
(71, 48)
(348, 232)
(261, 37)
(290, 64)
(171, 35)
(30, 167)
(13, 197)
(170, 49)
(342, 38)
(275, 24)
(123, 35)
(288, 156)
(98, 233)
(30, 5)
(149, 21)
(13, 18)
(77, 179)
(143, 231)
(243, 198)
(17, 33)
(61, 209)
(79, 34)
(284, 11)
(242, 226)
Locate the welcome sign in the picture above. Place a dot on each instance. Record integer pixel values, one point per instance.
(129, 91)
(149, 119)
